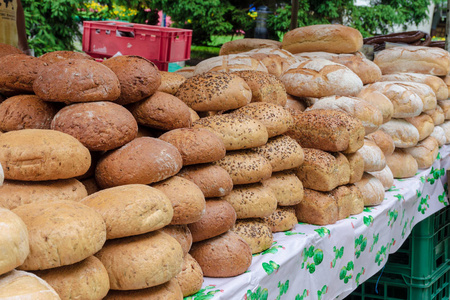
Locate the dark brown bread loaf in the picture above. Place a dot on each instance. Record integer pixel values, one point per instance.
(182, 234)
(56, 56)
(317, 208)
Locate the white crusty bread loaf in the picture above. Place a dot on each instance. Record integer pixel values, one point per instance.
(446, 127)
(370, 115)
(282, 219)
(379, 100)
(425, 93)
(414, 59)
(425, 152)
(25, 285)
(402, 164)
(255, 232)
(229, 63)
(247, 44)
(385, 176)
(371, 189)
(320, 78)
(333, 38)
(445, 105)
(424, 124)
(14, 244)
(402, 132)
(317, 208)
(437, 115)
(286, 186)
(356, 162)
(373, 157)
(276, 60)
(383, 140)
(439, 134)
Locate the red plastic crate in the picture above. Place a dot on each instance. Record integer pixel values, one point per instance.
(160, 44)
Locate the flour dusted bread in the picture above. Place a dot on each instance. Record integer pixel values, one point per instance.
(385, 176)
(424, 124)
(286, 186)
(252, 201)
(213, 180)
(219, 217)
(414, 59)
(402, 164)
(131, 209)
(333, 38)
(437, 115)
(56, 56)
(182, 234)
(190, 278)
(169, 290)
(144, 160)
(87, 279)
(214, 92)
(247, 44)
(224, 256)
(425, 152)
(25, 112)
(320, 78)
(25, 285)
(374, 159)
(14, 244)
(256, 232)
(141, 261)
(229, 63)
(446, 127)
(139, 78)
(170, 82)
(403, 133)
(356, 163)
(236, 131)
(276, 60)
(99, 126)
(196, 145)
(439, 134)
(317, 208)
(60, 234)
(15, 193)
(372, 190)
(40, 154)
(186, 72)
(379, 100)
(282, 219)
(84, 81)
(383, 140)
(445, 105)
(186, 197)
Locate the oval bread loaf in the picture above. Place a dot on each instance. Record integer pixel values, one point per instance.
(402, 164)
(276, 60)
(372, 190)
(374, 159)
(247, 44)
(170, 82)
(403, 133)
(424, 124)
(25, 285)
(425, 152)
(385, 176)
(190, 278)
(286, 186)
(182, 234)
(256, 232)
(229, 63)
(317, 208)
(169, 290)
(282, 219)
(383, 140)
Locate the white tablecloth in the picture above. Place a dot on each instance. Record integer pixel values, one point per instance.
(328, 262)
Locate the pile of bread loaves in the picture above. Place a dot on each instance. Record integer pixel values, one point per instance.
(124, 182)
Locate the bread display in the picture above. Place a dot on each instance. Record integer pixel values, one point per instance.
(403, 133)
(255, 232)
(25, 285)
(247, 44)
(385, 176)
(229, 63)
(379, 100)
(383, 140)
(438, 85)
(425, 152)
(182, 234)
(190, 278)
(374, 159)
(170, 82)
(56, 56)
(371, 189)
(286, 186)
(169, 290)
(276, 60)
(282, 219)
(333, 38)
(317, 208)
(402, 164)
(356, 162)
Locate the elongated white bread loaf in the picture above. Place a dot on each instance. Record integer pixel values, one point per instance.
(229, 63)
(372, 190)
(424, 124)
(402, 164)
(402, 132)
(438, 85)
(373, 157)
(437, 115)
(439, 134)
(247, 44)
(425, 152)
(379, 100)
(385, 176)
(383, 140)
(276, 60)
(25, 285)
(445, 105)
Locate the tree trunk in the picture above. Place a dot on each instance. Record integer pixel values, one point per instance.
(294, 15)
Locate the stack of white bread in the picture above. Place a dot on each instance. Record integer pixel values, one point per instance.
(124, 182)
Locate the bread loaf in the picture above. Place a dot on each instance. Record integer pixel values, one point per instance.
(356, 162)
(344, 200)
(229, 63)
(236, 131)
(25, 285)
(373, 157)
(320, 78)
(439, 134)
(182, 234)
(187, 72)
(333, 38)
(425, 93)
(40, 154)
(16, 193)
(379, 100)
(437, 115)
(25, 112)
(383, 140)
(317, 208)
(255, 232)
(190, 278)
(286, 186)
(56, 56)
(252, 201)
(425, 152)
(224, 256)
(276, 60)
(385, 176)
(141, 261)
(60, 234)
(14, 244)
(358, 200)
(294, 103)
(143, 160)
(169, 290)
(403, 133)
(6, 49)
(247, 44)
(196, 145)
(170, 82)
(446, 127)
(445, 105)
(371, 189)
(282, 219)
(402, 164)
(414, 59)
(424, 124)
(186, 197)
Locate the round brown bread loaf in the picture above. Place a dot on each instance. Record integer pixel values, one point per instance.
(87, 279)
(424, 124)
(170, 82)
(25, 285)
(439, 134)
(414, 59)
(139, 78)
(425, 152)
(374, 159)
(187, 72)
(196, 145)
(245, 166)
(383, 140)
(247, 44)
(182, 234)
(213, 180)
(379, 100)
(252, 201)
(14, 244)
(56, 56)
(370, 115)
(141, 261)
(18, 73)
(276, 60)
(167, 291)
(372, 190)
(320, 78)
(16, 193)
(226, 255)
(215, 92)
(385, 176)
(229, 63)
(317, 208)
(282, 219)
(143, 160)
(25, 112)
(131, 209)
(6, 49)
(437, 115)
(356, 162)
(61, 234)
(276, 119)
(402, 132)
(40, 154)
(187, 199)
(79, 86)
(190, 278)
(256, 232)
(236, 131)
(162, 111)
(264, 87)
(99, 126)
(402, 164)
(219, 217)
(283, 153)
(333, 38)
(286, 186)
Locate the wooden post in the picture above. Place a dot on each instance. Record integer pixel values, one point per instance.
(447, 26)
(294, 15)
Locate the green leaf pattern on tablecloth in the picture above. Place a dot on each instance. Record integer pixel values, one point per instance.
(443, 199)
(302, 296)
(368, 209)
(292, 233)
(338, 253)
(322, 231)
(375, 241)
(368, 220)
(423, 204)
(400, 197)
(381, 255)
(393, 189)
(392, 214)
(322, 292)
(437, 173)
(204, 294)
(311, 253)
(358, 276)
(345, 274)
(283, 289)
(259, 294)
(270, 267)
(360, 245)
(271, 250)
(405, 226)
